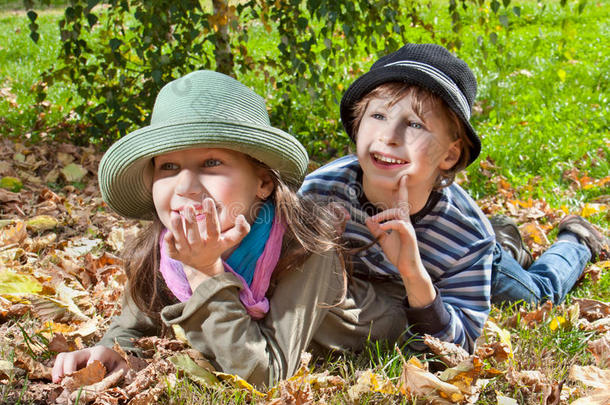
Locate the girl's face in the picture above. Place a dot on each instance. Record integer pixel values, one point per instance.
(186, 177)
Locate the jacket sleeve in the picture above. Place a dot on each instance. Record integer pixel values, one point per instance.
(131, 325)
(462, 304)
(261, 351)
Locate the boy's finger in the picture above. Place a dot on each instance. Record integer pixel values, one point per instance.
(403, 198)
(212, 228)
(234, 235)
(392, 213)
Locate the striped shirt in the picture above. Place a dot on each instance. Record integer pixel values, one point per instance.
(454, 237)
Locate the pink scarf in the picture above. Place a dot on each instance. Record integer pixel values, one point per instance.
(252, 296)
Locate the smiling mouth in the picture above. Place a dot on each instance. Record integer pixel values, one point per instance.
(199, 215)
(387, 160)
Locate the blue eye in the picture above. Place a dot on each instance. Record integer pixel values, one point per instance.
(416, 125)
(378, 116)
(169, 166)
(212, 163)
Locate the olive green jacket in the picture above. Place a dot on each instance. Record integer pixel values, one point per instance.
(310, 309)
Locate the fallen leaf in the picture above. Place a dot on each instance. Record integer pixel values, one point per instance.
(600, 348)
(595, 377)
(15, 284)
(91, 392)
(417, 381)
(11, 184)
(42, 223)
(13, 234)
(449, 353)
(91, 374)
(73, 172)
(184, 363)
(531, 318)
(592, 310)
(368, 382)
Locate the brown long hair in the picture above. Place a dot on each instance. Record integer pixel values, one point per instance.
(310, 229)
(423, 100)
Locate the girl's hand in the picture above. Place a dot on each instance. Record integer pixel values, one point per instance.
(200, 244)
(400, 246)
(69, 362)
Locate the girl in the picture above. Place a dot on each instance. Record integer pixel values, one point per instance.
(219, 183)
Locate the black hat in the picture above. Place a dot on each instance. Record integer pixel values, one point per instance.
(429, 66)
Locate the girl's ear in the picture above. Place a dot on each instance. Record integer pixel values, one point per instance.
(265, 186)
(452, 156)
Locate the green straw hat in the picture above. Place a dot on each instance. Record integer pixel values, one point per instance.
(202, 109)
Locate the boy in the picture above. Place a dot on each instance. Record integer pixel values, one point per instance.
(408, 221)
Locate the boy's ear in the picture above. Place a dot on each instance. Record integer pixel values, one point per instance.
(452, 156)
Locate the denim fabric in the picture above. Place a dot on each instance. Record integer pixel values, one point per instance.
(549, 278)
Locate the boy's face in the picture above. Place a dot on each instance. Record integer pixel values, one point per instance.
(394, 141)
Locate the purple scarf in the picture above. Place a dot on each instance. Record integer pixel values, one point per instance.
(252, 296)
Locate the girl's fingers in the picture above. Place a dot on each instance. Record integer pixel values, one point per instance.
(212, 224)
(57, 373)
(191, 226)
(177, 230)
(234, 235)
(375, 229)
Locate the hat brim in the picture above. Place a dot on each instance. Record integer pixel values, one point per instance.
(373, 78)
(125, 171)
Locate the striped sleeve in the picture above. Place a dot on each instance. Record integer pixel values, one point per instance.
(456, 246)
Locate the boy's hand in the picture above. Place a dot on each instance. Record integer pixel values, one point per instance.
(69, 362)
(400, 246)
(200, 244)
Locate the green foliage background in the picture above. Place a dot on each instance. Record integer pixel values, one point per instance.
(542, 69)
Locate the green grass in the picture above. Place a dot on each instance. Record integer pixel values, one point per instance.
(543, 102)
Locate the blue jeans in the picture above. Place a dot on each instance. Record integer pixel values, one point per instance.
(550, 277)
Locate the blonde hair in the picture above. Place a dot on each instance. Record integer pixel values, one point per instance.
(423, 100)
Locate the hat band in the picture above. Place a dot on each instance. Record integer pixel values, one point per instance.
(441, 79)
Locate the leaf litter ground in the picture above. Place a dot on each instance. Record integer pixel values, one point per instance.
(61, 279)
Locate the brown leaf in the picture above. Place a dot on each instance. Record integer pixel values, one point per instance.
(34, 369)
(500, 351)
(60, 344)
(417, 381)
(149, 376)
(533, 382)
(593, 377)
(449, 353)
(592, 310)
(600, 349)
(8, 196)
(90, 392)
(530, 318)
(13, 234)
(151, 395)
(91, 374)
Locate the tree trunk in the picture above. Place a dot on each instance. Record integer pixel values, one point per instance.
(222, 52)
